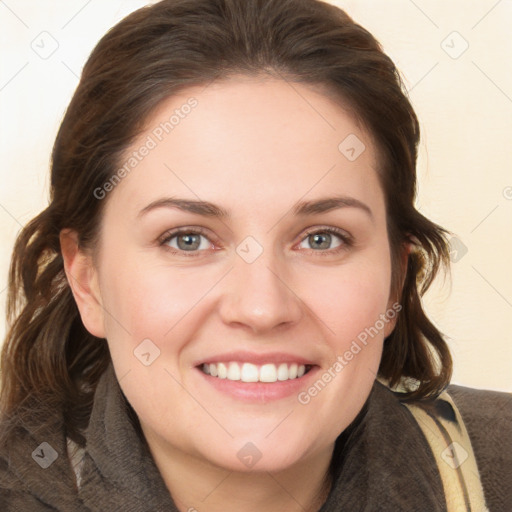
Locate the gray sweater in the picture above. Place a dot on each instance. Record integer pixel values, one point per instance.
(382, 462)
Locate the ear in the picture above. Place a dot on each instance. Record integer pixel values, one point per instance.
(394, 304)
(83, 281)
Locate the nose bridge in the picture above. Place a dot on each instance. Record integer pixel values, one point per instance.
(258, 294)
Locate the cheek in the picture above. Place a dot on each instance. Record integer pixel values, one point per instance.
(145, 301)
(350, 301)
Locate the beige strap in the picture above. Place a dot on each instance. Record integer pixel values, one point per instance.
(454, 456)
(76, 457)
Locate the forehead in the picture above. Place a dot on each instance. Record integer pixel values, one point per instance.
(249, 141)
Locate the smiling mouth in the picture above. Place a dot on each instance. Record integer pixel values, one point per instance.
(248, 372)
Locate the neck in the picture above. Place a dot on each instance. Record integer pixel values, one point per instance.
(196, 485)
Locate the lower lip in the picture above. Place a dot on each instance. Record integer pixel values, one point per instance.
(261, 391)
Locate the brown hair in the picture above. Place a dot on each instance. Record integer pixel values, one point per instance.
(49, 359)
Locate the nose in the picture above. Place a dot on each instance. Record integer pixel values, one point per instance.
(260, 295)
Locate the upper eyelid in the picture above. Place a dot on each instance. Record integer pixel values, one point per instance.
(328, 229)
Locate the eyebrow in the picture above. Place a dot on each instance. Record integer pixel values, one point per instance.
(204, 208)
(302, 208)
(330, 203)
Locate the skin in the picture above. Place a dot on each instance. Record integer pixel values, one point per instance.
(254, 147)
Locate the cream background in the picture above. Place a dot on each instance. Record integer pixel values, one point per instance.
(464, 105)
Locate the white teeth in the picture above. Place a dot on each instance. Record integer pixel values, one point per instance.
(268, 373)
(282, 372)
(233, 371)
(248, 372)
(222, 371)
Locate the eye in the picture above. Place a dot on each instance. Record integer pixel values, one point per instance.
(186, 240)
(192, 241)
(321, 240)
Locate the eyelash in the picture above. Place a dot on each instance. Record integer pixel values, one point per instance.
(347, 240)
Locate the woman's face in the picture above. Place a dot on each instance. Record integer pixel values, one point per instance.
(282, 266)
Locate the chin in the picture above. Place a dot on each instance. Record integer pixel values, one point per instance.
(246, 456)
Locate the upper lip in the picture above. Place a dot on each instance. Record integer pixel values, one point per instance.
(256, 358)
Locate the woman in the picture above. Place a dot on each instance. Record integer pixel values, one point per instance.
(220, 308)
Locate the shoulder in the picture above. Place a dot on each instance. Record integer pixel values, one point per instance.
(487, 416)
(32, 454)
(482, 404)
(13, 494)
